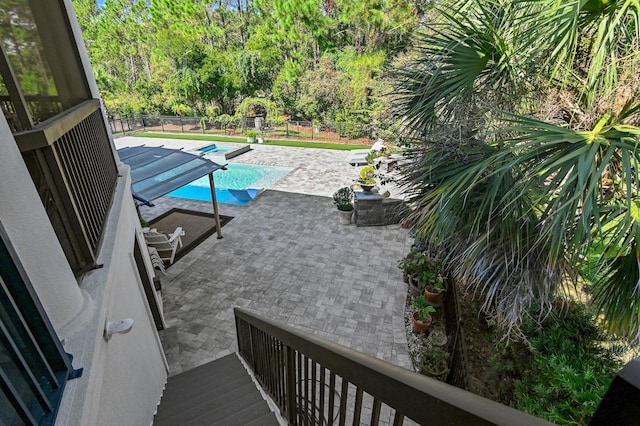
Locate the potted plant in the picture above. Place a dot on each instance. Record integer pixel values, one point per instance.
(366, 179)
(410, 265)
(435, 363)
(422, 316)
(251, 136)
(343, 199)
(435, 284)
(420, 266)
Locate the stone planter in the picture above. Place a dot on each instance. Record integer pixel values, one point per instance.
(345, 216)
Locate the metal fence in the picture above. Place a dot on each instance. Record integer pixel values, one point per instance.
(325, 130)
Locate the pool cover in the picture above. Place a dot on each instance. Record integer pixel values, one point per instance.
(156, 171)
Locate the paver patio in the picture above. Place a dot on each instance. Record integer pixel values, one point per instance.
(286, 256)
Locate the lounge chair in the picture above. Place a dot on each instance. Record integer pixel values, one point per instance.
(164, 243)
(357, 157)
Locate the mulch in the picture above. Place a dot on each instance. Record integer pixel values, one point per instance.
(197, 227)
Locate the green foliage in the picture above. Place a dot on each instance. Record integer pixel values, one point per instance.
(367, 175)
(522, 120)
(249, 104)
(570, 371)
(435, 361)
(343, 199)
(199, 55)
(226, 121)
(423, 308)
(372, 156)
(276, 142)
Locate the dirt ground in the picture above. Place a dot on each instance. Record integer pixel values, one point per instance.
(487, 361)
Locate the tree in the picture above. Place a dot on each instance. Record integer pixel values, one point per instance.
(525, 150)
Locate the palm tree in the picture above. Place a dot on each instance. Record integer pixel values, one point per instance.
(522, 126)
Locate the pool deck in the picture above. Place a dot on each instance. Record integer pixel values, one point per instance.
(286, 256)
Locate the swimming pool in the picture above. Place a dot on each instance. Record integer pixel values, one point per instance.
(237, 176)
(218, 149)
(220, 152)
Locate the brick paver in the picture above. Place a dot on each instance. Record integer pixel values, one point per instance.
(285, 255)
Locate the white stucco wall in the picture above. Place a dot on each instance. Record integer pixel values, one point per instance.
(25, 221)
(123, 377)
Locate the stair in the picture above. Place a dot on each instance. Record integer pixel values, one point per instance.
(218, 393)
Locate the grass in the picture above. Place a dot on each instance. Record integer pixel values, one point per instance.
(275, 142)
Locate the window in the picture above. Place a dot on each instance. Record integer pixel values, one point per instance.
(33, 365)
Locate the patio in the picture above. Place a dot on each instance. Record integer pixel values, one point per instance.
(285, 255)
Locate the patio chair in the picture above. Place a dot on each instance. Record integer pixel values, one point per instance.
(165, 243)
(156, 260)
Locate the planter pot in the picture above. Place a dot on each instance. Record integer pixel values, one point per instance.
(433, 296)
(420, 326)
(440, 375)
(438, 338)
(251, 140)
(436, 363)
(366, 188)
(414, 285)
(345, 216)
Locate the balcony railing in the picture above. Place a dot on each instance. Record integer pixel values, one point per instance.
(72, 164)
(314, 381)
(40, 108)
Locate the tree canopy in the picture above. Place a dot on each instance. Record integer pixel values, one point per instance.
(524, 120)
(203, 58)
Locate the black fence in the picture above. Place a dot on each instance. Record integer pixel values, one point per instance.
(325, 130)
(458, 369)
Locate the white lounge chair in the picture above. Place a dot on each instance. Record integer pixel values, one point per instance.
(165, 243)
(357, 157)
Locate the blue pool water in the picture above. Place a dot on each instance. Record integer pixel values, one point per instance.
(237, 176)
(216, 149)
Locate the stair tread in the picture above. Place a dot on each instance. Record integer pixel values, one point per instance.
(269, 419)
(222, 386)
(227, 365)
(245, 415)
(238, 413)
(172, 407)
(220, 392)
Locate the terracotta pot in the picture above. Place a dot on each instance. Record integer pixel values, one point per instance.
(419, 326)
(433, 298)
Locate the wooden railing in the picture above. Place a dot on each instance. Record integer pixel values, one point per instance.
(317, 382)
(72, 164)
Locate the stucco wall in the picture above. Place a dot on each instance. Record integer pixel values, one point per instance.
(123, 377)
(25, 221)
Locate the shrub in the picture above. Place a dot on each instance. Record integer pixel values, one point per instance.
(343, 199)
(571, 369)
